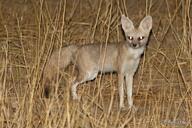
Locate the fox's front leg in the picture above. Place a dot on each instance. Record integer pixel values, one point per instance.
(121, 90)
(129, 84)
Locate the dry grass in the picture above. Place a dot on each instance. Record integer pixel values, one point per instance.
(31, 29)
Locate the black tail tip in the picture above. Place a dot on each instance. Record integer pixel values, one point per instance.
(46, 92)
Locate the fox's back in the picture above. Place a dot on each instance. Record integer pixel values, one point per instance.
(99, 56)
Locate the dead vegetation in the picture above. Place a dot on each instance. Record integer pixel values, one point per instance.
(31, 29)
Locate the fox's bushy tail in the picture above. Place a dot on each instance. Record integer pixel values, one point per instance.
(59, 59)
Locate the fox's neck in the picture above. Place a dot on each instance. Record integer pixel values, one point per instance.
(135, 52)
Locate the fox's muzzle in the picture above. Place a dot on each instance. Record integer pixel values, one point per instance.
(135, 45)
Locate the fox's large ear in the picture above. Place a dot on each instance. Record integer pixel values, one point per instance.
(127, 24)
(146, 24)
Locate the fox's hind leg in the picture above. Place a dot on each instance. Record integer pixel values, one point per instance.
(81, 78)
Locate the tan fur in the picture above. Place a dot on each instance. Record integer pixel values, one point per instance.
(91, 59)
(65, 54)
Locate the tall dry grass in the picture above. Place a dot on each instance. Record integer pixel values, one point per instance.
(31, 30)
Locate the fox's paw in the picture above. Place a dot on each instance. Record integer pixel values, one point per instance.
(76, 98)
(133, 108)
(122, 107)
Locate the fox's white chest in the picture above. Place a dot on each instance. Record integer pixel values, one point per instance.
(131, 63)
(130, 66)
(136, 53)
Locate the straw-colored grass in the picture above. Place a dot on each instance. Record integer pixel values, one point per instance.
(31, 29)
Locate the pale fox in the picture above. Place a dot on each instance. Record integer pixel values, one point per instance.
(92, 59)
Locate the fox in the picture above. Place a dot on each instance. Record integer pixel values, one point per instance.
(91, 59)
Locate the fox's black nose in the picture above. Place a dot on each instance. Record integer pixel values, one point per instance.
(134, 45)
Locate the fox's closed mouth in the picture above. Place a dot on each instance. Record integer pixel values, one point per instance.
(135, 46)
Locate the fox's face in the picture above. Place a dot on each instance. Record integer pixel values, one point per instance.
(136, 37)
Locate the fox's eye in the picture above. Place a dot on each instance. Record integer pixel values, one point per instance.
(141, 38)
(130, 37)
